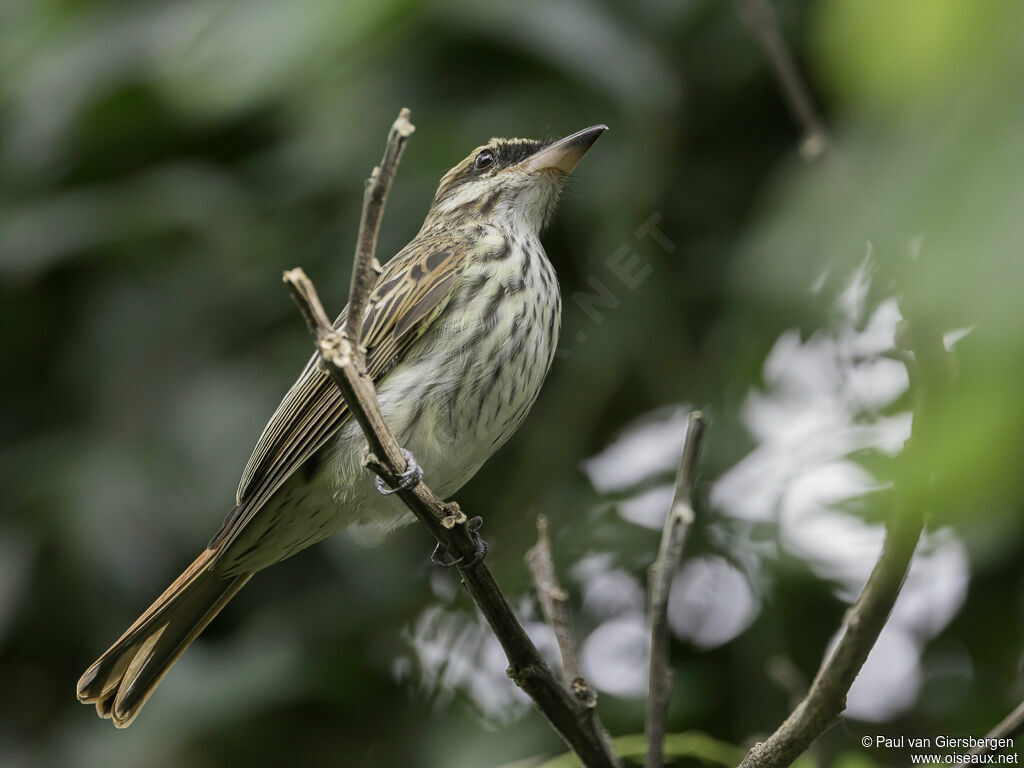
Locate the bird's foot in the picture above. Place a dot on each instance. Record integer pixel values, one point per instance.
(437, 557)
(412, 475)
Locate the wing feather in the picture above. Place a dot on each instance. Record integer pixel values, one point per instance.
(412, 290)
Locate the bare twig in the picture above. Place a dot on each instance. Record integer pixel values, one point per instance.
(760, 19)
(577, 725)
(541, 565)
(826, 699)
(1011, 726)
(673, 537)
(374, 197)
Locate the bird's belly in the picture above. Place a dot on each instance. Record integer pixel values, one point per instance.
(453, 415)
(455, 400)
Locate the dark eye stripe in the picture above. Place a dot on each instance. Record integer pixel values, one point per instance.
(503, 153)
(512, 151)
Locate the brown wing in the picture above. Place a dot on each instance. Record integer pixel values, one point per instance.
(412, 290)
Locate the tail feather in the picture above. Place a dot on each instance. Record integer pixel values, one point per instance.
(122, 679)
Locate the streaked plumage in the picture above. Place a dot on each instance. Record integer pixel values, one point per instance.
(460, 332)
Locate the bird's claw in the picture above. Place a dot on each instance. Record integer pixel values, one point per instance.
(412, 475)
(473, 526)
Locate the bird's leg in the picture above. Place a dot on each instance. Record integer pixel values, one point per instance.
(412, 475)
(437, 557)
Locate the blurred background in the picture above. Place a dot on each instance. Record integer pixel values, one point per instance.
(161, 163)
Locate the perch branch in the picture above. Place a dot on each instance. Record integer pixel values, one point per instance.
(826, 699)
(673, 538)
(344, 362)
(760, 20)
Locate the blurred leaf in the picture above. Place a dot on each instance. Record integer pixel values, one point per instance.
(880, 54)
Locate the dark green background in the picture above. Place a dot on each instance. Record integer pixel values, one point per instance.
(162, 162)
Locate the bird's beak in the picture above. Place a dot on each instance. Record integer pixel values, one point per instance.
(565, 153)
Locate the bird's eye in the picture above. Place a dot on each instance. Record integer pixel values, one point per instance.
(484, 159)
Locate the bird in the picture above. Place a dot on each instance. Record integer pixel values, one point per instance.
(460, 332)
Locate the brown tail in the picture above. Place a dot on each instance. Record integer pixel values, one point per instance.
(122, 679)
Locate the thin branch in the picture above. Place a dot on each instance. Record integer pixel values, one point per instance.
(826, 699)
(541, 565)
(1011, 726)
(762, 23)
(577, 725)
(364, 274)
(673, 538)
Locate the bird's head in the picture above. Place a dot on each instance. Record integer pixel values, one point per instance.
(510, 182)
